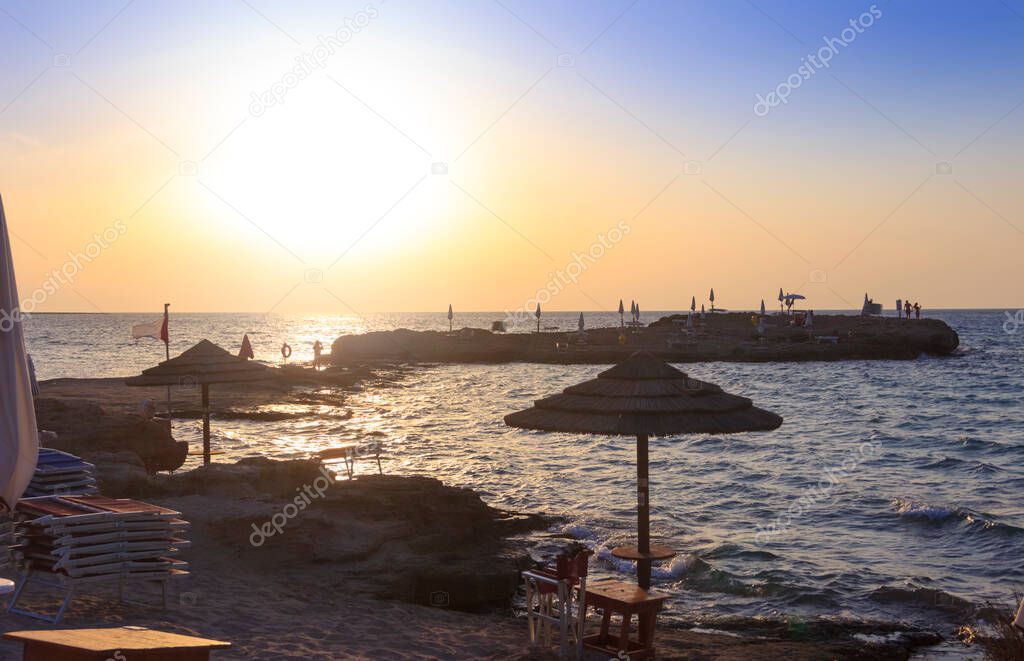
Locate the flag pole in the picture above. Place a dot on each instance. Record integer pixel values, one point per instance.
(167, 353)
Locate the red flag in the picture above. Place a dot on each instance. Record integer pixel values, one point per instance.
(164, 335)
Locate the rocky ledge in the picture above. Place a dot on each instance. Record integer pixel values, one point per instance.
(721, 337)
(410, 539)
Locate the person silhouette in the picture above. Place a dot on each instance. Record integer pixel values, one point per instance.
(899, 308)
(917, 310)
(318, 349)
(906, 309)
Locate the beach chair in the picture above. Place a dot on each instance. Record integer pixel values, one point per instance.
(65, 542)
(558, 598)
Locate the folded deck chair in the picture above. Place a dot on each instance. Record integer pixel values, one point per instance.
(67, 541)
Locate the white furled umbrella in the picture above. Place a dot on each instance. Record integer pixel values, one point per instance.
(19, 438)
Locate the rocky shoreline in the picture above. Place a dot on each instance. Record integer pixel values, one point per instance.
(720, 337)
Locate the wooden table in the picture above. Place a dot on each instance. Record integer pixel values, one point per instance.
(120, 643)
(625, 599)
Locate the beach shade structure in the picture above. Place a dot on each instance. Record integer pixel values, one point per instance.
(202, 365)
(643, 397)
(19, 438)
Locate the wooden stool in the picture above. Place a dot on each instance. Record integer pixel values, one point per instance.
(128, 643)
(626, 599)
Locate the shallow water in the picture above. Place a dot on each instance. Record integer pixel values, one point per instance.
(893, 486)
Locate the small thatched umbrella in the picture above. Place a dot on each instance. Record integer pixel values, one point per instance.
(644, 397)
(203, 364)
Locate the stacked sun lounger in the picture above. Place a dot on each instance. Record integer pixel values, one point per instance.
(94, 535)
(59, 473)
(93, 539)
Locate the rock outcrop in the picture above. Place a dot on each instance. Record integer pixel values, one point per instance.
(84, 428)
(405, 538)
(726, 337)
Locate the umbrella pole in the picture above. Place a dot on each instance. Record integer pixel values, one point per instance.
(643, 512)
(206, 424)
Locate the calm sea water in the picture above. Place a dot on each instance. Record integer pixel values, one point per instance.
(894, 487)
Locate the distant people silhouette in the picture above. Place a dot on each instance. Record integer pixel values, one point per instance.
(917, 310)
(899, 308)
(318, 349)
(906, 309)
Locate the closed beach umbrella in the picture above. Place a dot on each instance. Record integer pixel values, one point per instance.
(689, 320)
(202, 365)
(622, 311)
(19, 438)
(537, 314)
(712, 299)
(246, 350)
(636, 312)
(693, 304)
(644, 397)
(580, 324)
(762, 307)
(451, 316)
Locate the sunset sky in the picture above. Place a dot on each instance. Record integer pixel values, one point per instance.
(230, 183)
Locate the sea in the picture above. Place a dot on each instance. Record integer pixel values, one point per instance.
(894, 490)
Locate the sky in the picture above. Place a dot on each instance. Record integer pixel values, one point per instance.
(400, 155)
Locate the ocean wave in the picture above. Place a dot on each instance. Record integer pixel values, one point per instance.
(915, 509)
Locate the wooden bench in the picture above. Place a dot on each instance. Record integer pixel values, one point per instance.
(347, 453)
(128, 643)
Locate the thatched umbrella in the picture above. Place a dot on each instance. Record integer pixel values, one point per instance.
(644, 397)
(203, 364)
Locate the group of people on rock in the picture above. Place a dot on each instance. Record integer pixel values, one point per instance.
(904, 309)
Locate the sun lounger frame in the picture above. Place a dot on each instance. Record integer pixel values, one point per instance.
(69, 585)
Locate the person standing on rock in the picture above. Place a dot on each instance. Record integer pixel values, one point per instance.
(906, 310)
(899, 309)
(917, 310)
(318, 349)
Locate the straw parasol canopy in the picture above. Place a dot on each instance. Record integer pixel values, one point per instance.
(202, 365)
(644, 397)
